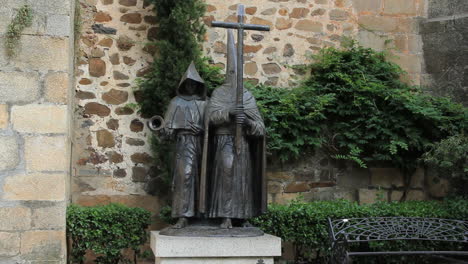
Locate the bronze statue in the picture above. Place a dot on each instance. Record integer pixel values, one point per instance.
(236, 168)
(183, 121)
(227, 140)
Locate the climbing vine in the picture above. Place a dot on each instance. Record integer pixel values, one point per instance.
(22, 20)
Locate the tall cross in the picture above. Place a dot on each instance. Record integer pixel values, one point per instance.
(240, 26)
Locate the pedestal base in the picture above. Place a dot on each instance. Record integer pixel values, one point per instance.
(215, 250)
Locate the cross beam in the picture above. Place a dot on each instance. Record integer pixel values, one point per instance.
(240, 27)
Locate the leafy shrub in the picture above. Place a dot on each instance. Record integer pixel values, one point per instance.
(106, 230)
(292, 120)
(180, 33)
(306, 226)
(355, 106)
(450, 158)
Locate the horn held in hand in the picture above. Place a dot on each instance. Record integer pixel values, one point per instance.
(156, 123)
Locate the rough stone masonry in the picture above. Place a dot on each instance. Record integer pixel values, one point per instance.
(34, 133)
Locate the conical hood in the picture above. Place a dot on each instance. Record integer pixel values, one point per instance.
(231, 69)
(192, 74)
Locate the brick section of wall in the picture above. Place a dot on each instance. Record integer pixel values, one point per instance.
(34, 124)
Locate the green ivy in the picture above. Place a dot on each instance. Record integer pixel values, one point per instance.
(106, 230)
(305, 225)
(22, 20)
(179, 37)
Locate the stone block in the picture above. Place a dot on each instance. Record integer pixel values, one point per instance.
(9, 244)
(50, 6)
(309, 25)
(367, 196)
(43, 53)
(284, 198)
(367, 5)
(215, 247)
(296, 187)
(441, 8)
(346, 194)
(43, 245)
(378, 23)
(41, 187)
(320, 194)
(9, 153)
(279, 175)
(58, 25)
(416, 195)
(44, 153)
(49, 217)
(415, 44)
(399, 7)
(5, 19)
(372, 40)
(357, 178)
(386, 177)
(417, 179)
(437, 187)
(4, 116)
(409, 62)
(56, 87)
(35, 118)
(395, 196)
(19, 86)
(15, 218)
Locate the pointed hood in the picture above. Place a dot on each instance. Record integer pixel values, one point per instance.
(192, 74)
(231, 69)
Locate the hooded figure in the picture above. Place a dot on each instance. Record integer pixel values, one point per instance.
(236, 184)
(184, 121)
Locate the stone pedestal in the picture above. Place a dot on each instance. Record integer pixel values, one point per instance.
(215, 250)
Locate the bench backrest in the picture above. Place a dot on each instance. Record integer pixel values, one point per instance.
(398, 228)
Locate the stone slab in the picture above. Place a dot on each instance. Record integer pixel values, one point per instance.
(9, 157)
(18, 86)
(215, 247)
(215, 261)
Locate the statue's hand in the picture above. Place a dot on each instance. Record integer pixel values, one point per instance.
(238, 113)
(235, 110)
(241, 118)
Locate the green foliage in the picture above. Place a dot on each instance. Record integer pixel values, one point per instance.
(450, 158)
(355, 107)
(306, 226)
(292, 119)
(180, 33)
(106, 230)
(179, 38)
(374, 116)
(22, 20)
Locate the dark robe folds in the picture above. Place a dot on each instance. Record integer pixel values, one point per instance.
(184, 111)
(237, 188)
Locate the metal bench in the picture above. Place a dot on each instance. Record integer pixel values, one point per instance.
(345, 231)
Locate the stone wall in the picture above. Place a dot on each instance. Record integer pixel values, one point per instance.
(445, 36)
(34, 133)
(111, 154)
(111, 157)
